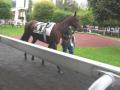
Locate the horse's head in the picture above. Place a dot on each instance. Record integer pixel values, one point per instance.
(75, 22)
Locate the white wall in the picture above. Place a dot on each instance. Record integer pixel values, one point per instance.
(20, 4)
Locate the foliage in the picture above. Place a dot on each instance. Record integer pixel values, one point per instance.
(86, 16)
(70, 5)
(29, 11)
(43, 11)
(106, 12)
(60, 14)
(7, 1)
(5, 12)
(48, 12)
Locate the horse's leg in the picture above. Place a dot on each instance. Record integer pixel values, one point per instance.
(53, 46)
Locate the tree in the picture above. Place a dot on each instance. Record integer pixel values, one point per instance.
(70, 5)
(29, 11)
(85, 16)
(5, 12)
(43, 11)
(106, 11)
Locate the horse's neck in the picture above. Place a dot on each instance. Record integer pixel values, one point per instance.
(64, 26)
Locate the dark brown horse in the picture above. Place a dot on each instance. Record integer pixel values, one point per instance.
(56, 33)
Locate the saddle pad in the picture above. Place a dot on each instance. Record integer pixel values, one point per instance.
(44, 28)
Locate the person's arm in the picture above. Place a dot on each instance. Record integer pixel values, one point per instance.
(73, 40)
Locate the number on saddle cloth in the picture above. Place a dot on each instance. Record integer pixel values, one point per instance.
(39, 27)
(44, 28)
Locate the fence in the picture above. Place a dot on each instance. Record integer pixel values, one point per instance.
(108, 31)
(108, 75)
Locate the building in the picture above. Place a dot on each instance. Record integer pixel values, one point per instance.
(19, 8)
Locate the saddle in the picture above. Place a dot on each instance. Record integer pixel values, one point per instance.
(43, 28)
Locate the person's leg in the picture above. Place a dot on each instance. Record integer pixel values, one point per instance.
(71, 49)
(65, 48)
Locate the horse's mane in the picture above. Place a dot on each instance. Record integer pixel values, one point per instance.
(66, 19)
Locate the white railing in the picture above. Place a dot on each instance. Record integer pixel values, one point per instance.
(109, 75)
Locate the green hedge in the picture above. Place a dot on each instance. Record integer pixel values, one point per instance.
(43, 11)
(59, 15)
(5, 12)
(85, 16)
(46, 11)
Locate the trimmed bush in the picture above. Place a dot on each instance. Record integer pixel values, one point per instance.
(43, 11)
(59, 15)
(85, 16)
(5, 12)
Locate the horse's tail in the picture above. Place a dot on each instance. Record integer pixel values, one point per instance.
(26, 35)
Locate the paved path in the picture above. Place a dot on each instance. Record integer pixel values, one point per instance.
(18, 74)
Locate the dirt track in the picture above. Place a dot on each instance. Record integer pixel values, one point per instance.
(90, 40)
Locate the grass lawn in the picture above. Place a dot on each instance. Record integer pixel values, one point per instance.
(11, 31)
(109, 55)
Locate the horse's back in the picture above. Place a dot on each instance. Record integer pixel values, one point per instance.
(29, 25)
(55, 33)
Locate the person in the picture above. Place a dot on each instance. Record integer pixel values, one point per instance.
(90, 28)
(68, 42)
(85, 29)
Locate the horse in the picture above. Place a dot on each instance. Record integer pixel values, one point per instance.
(55, 35)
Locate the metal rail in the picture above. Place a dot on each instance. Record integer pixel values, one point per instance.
(83, 65)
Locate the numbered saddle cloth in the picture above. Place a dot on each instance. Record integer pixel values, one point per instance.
(43, 28)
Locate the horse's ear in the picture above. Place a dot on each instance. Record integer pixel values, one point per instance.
(75, 14)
